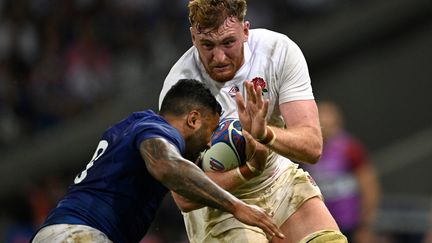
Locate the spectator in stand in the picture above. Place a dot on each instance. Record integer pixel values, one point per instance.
(346, 177)
(88, 68)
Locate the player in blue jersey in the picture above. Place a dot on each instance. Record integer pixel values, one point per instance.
(137, 161)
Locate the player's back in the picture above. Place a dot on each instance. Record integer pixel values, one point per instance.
(115, 193)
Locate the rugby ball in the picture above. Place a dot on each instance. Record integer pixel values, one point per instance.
(227, 150)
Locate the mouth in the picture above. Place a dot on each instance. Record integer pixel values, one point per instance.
(221, 68)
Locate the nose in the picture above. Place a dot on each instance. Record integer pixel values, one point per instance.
(218, 55)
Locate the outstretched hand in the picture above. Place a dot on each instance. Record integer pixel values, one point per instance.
(256, 216)
(256, 153)
(252, 114)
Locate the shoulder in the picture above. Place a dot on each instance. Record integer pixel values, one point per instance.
(151, 125)
(269, 42)
(150, 122)
(267, 34)
(187, 62)
(187, 66)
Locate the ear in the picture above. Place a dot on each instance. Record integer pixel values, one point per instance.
(191, 29)
(194, 120)
(246, 26)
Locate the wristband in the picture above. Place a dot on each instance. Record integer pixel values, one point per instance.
(263, 137)
(268, 138)
(253, 154)
(273, 139)
(254, 170)
(241, 175)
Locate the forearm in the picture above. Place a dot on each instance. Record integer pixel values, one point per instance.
(189, 181)
(300, 140)
(301, 144)
(184, 177)
(184, 204)
(229, 180)
(232, 179)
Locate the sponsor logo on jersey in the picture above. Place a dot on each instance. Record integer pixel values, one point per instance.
(234, 89)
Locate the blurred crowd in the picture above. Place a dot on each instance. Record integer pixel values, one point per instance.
(57, 58)
(61, 59)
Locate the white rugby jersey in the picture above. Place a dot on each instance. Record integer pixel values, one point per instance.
(273, 60)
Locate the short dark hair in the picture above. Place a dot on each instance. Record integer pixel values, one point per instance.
(187, 95)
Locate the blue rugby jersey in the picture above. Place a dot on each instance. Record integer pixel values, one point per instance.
(115, 193)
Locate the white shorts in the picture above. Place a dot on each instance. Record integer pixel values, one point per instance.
(281, 199)
(70, 233)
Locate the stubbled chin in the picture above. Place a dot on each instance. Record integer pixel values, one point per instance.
(222, 77)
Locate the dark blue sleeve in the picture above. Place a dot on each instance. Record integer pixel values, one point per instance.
(158, 129)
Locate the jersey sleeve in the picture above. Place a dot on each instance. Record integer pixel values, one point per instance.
(295, 83)
(146, 130)
(168, 83)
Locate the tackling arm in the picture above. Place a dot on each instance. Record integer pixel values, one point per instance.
(228, 180)
(184, 177)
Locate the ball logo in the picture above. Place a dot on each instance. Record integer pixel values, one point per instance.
(216, 165)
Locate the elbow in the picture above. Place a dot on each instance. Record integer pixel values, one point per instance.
(317, 150)
(312, 147)
(315, 157)
(314, 154)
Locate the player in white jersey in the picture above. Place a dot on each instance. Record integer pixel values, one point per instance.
(225, 55)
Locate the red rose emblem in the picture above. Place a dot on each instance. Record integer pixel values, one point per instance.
(259, 82)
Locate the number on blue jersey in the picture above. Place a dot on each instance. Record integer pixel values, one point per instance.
(101, 148)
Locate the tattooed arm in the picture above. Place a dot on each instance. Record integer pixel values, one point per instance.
(182, 176)
(185, 178)
(230, 180)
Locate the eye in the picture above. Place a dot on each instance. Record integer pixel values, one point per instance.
(228, 43)
(207, 45)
